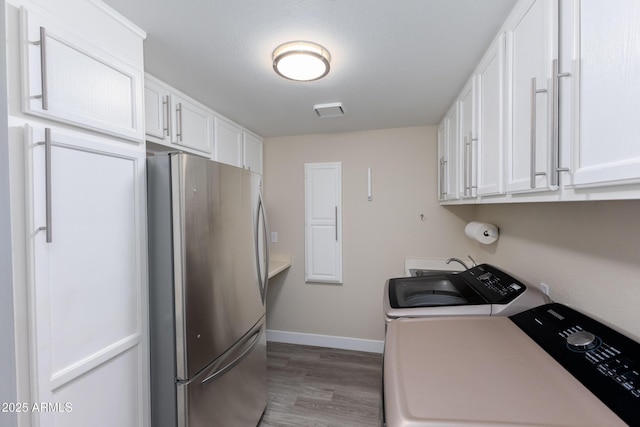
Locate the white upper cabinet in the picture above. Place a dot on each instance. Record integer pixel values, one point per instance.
(68, 79)
(468, 140)
(448, 153)
(228, 142)
(157, 112)
(176, 120)
(490, 115)
(557, 101)
(236, 146)
(606, 89)
(531, 47)
(252, 151)
(192, 124)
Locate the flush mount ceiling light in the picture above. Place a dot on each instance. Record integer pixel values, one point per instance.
(301, 61)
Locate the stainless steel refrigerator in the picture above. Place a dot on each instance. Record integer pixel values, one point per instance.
(208, 258)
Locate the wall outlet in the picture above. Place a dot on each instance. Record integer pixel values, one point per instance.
(544, 288)
(274, 237)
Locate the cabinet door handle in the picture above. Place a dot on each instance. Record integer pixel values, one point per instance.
(336, 214)
(555, 136)
(43, 68)
(47, 185)
(534, 92)
(472, 165)
(179, 110)
(165, 115)
(466, 166)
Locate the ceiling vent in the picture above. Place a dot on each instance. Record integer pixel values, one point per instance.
(334, 109)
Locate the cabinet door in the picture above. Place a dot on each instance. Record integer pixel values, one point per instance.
(157, 111)
(68, 80)
(442, 161)
(490, 80)
(228, 143)
(531, 45)
(193, 125)
(252, 152)
(451, 154)
(323, 222)
(87, 283)
(606, 150)
(468, 140)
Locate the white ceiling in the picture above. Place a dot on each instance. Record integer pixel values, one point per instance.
(394, 63)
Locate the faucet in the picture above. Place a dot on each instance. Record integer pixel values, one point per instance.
(458, 261)
(462, 262)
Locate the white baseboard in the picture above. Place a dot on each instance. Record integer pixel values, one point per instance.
(371, 346)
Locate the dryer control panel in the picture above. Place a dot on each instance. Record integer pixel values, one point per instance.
(496, 286)
(602, 359)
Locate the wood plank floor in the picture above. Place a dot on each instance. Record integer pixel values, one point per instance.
(322, 387)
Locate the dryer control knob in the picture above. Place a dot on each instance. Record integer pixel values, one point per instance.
(581, 341)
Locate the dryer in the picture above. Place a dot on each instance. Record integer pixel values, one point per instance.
(547, 366)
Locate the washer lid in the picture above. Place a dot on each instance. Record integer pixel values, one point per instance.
(479, 371)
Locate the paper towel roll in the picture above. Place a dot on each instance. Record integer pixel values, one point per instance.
(482, 232)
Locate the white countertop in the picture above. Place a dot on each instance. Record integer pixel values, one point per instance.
(278, 263)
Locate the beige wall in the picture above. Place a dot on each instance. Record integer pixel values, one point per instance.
(587, 252)
(377, 235)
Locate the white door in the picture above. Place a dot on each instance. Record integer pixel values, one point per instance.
(323, 222)
(452, 154)
(252, 152)
(68, 80)
(531, 46)
(227, 143)
(442, 161)
(606, 150)
(468, 139)
(490, 79)
(87, 287)
(193, 125)
(157, 111)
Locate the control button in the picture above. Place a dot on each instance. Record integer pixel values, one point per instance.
(581, 341)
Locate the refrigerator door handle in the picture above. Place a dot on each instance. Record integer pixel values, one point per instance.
(263, 276)
(247, 344)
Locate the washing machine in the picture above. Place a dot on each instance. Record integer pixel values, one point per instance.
(482, 290)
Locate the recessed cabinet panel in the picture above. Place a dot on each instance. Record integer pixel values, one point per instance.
(323, 222)
(529, 53)
(157, 111)
(252, 152)
(193, 126)
(87, 287)
(228, 143)
(607, 82)
(490, 78)
(68, 80)
(468, 140)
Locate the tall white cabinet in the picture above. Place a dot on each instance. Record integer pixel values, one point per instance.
(77, 171)
(86, 287)
(323, 222)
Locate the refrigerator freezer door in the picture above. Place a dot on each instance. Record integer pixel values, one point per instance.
(230, 392)
(217, 290)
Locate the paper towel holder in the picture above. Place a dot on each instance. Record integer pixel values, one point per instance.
(482, 232)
